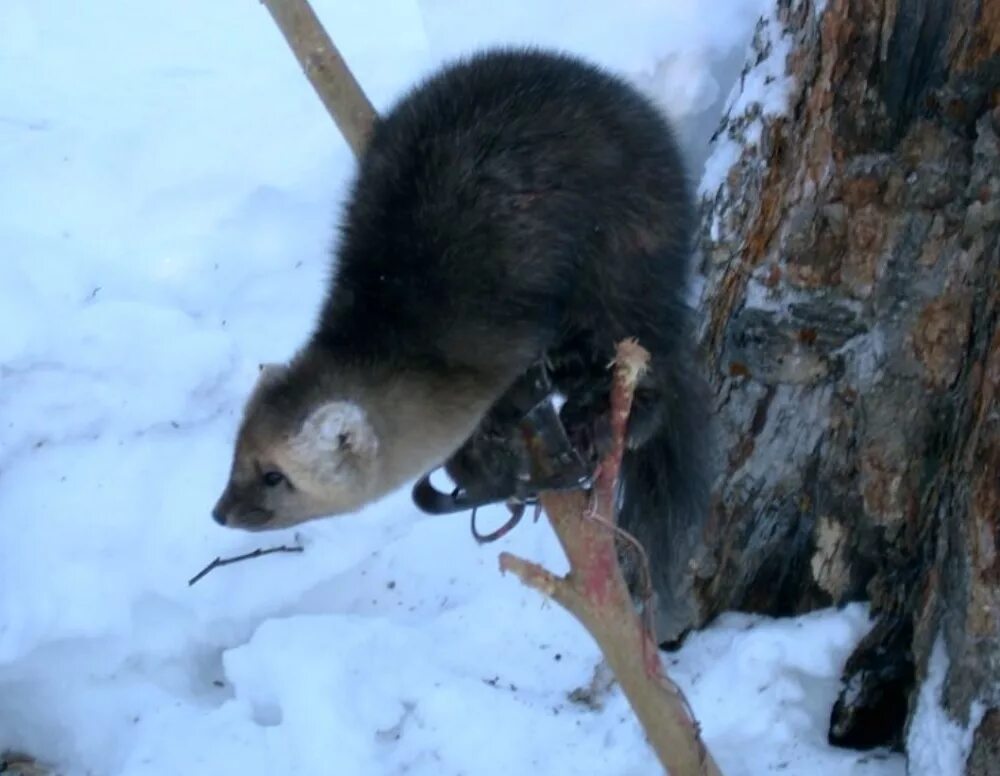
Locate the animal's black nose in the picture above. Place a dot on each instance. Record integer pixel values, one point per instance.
(219, 515)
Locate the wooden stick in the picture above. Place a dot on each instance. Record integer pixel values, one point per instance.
(595, 592)
(326, 70)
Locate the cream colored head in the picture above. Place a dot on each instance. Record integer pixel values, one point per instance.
(298, 458)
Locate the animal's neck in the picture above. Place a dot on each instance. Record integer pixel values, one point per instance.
(419, 418)
(421, 421)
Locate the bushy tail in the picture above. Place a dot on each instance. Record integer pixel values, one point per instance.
(664, 505)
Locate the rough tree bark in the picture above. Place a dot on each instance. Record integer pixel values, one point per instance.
(852, 292)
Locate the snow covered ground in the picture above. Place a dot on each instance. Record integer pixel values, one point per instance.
(168, 189)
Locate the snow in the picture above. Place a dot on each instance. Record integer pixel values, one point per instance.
(762, 90)
(935, 743)
(725, 153)
(170, 187)
(767, 83)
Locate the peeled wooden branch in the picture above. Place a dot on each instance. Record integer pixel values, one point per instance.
(326, 70)
(594, 591)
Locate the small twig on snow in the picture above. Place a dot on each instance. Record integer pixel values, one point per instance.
(258, 553)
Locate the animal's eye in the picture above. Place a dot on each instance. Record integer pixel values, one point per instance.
(272, 478)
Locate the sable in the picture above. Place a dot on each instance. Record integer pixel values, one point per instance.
(519, 209)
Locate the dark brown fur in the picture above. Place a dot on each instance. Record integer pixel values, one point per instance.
(517, 206)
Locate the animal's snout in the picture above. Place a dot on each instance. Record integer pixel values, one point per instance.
(221, 509)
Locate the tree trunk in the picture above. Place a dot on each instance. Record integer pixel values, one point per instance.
(851, 253)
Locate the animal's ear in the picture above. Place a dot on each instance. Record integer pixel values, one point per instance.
(334, 432)
(269, 373)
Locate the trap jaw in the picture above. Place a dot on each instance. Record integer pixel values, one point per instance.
(552, 462)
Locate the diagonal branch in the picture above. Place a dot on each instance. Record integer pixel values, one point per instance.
(594, 591)
(326, 70)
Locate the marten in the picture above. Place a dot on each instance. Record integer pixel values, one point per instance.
(517, 207)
